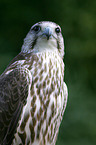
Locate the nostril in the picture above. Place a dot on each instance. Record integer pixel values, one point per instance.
(47, 32)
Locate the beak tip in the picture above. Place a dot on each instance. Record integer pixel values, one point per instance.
(48, 32)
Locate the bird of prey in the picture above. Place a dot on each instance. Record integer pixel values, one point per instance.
(33, 94)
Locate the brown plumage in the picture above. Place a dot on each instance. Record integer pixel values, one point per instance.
(33, 94)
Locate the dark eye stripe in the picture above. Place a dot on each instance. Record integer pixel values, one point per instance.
(33, 43)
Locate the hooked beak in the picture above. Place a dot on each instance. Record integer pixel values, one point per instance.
(47, 32)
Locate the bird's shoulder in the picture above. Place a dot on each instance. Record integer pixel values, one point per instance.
(14, 87)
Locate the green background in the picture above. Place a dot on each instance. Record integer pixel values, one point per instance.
(78, 21)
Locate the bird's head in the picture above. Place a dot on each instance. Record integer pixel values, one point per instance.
(44, 36)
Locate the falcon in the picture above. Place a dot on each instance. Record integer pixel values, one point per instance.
(33, 94)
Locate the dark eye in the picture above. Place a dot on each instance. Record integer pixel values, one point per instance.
(57, 30)
(37, 28)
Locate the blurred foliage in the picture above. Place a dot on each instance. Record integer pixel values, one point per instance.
(78, 22)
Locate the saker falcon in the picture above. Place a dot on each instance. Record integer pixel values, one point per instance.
(33, 94)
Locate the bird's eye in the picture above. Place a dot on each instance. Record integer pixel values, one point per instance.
(37, 28)
(57, 30)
